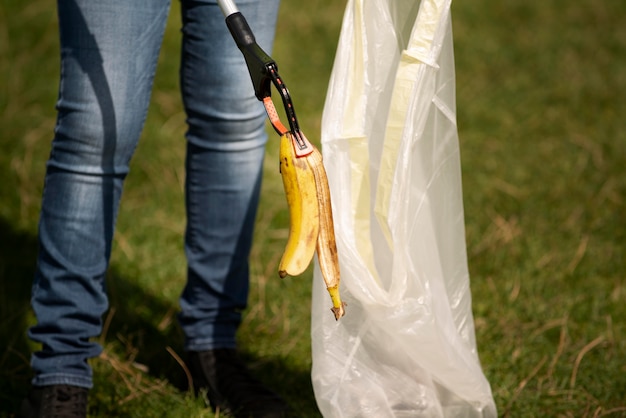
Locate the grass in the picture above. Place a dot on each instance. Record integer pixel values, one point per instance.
(543, 149)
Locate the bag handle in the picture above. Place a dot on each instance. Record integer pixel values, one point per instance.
(422, 51)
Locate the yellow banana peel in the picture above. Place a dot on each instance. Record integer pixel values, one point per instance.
(311, 225)
(299, 184)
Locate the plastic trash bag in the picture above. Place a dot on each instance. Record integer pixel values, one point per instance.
(406, 346)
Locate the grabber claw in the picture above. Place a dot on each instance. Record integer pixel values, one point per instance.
(264, 72)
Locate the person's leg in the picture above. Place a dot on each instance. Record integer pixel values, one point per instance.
(109, 51)
(225, 149)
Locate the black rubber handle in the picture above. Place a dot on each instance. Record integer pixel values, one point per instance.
(257, 60)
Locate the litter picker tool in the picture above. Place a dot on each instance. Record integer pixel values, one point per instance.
(302, 170)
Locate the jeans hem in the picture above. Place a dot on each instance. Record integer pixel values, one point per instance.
(204, 345)
(63, 379)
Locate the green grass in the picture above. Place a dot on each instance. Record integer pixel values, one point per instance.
(541, 124)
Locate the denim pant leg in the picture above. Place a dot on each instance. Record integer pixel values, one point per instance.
(225, 148)
(108, 57)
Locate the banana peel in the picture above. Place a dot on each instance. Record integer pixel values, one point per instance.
(311, 227)
(304, 213)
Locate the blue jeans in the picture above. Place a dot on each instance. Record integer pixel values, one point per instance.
(109, 50)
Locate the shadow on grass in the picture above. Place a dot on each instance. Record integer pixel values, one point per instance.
(140, 333)
(17, 261)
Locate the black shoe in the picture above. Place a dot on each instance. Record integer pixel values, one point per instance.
(56, 401)
(230, 387)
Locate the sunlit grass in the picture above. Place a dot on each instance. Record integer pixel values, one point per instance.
(540, 118)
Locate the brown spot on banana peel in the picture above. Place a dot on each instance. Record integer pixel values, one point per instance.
(326, 244)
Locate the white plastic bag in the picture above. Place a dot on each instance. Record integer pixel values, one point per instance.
(406, 346)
